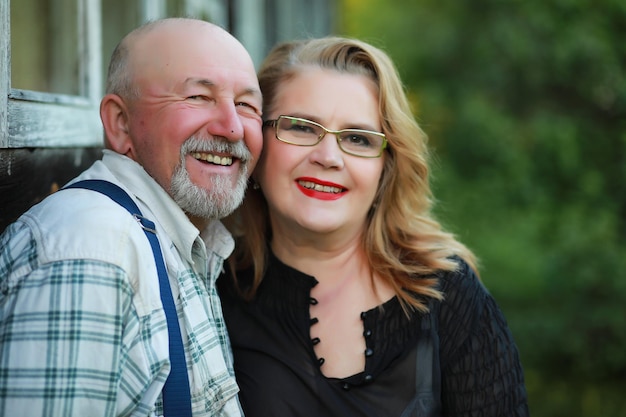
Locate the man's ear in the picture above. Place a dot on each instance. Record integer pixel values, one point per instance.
(114, 116)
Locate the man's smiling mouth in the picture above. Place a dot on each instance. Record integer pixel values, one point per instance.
(213, 159)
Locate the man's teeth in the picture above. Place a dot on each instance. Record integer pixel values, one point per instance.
(214, 159)
(317, 187)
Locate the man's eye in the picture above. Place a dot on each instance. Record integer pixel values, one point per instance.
(247, 107)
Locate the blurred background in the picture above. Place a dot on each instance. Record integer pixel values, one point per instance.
(524, 102)
(525, 106)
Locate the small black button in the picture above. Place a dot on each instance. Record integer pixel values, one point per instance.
(346, 386)
(369, 352)
(368, 378)
(321, 361)
(315, 341)
(363, 315)
(313, 301)
(314, 320)
(367, 333)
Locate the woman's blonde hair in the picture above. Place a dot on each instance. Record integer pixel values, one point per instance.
(404, 244)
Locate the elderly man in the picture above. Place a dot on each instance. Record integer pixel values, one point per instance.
(82, 323)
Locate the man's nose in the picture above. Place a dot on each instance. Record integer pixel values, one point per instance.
(226, 122)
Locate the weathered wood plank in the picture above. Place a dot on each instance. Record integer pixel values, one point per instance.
(33, 124)
(5, 71)
(28, 175)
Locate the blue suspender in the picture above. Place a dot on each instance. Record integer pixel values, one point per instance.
(176, 393)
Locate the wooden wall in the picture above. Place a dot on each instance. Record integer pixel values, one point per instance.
(28, 175)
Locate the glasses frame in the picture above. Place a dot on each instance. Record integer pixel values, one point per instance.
(274, 123)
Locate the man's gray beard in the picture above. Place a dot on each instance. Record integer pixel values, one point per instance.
(221, 199)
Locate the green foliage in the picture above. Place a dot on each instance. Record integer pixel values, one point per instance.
(525, 105)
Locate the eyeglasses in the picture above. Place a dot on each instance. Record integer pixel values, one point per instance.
(303, 132)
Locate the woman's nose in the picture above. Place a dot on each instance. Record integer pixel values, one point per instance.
(327, 152)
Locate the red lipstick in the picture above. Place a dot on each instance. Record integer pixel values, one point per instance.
(319, 194)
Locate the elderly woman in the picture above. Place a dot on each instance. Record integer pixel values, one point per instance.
(346, 297)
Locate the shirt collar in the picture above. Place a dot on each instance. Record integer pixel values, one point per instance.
(165, 211)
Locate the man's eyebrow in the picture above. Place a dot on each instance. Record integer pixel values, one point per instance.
(209, 84)
(253, 92)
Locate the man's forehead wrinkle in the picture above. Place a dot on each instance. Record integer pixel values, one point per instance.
(200, 81)
(205, 82)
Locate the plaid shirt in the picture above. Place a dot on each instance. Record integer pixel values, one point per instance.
(82, 328)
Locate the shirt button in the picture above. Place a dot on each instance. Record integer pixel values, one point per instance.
(313, 301)
(363, 315)
(368, 378)
(367, 333)
(369, 352)
(315, 340)
(346, 386)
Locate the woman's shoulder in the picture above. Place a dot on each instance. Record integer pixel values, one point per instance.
(461, 284)
(463, 304)
(475, 339)
(468, 314)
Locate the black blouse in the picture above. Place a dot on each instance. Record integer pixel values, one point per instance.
(279, 374)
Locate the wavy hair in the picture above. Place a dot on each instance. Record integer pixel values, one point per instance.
(404, 243)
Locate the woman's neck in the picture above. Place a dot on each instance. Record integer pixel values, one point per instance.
(320, 256)
(337, 266)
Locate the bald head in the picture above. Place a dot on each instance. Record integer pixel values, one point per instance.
(157, 45)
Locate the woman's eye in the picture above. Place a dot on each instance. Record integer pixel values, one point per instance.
(360, 140)
(301, 128)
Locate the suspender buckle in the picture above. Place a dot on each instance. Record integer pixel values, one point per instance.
(145, 224)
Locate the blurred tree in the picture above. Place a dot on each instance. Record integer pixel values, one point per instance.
(525, 106)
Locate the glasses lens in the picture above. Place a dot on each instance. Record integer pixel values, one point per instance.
(304, 132)
(298, 131)
(361, 142)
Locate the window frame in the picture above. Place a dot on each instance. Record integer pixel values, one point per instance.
(35, 119)
(39, 119)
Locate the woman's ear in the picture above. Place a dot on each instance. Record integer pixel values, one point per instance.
(114, 116)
